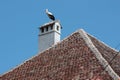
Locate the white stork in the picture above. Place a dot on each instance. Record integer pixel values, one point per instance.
(50, 15)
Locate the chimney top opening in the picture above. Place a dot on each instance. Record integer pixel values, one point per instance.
(51, 27)
(46, 28)
(58, 28)
(42, 30)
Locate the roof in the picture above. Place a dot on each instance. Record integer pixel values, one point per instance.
(80, 56)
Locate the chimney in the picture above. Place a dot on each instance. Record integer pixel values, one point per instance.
(49, 34)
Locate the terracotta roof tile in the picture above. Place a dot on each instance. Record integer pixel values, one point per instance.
(108, 53)
(71, 59)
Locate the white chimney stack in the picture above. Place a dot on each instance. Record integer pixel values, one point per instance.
(49, 35)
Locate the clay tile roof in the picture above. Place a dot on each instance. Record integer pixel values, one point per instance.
(78, 57)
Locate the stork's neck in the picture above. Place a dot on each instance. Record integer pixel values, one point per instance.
(46, 10)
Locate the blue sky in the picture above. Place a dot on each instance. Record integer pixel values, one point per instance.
(20, 19)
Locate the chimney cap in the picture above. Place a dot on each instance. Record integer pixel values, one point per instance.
(50, 23)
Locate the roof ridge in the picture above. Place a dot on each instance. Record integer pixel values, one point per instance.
(104, 43)
(88, 42)
(36, 54)
(98, 55)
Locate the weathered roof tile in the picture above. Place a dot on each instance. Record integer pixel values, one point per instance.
(71, 59)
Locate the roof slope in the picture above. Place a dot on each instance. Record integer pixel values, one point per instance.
(108, 53)
(72, 59)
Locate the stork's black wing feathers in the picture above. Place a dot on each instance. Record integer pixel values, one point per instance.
(51, 17)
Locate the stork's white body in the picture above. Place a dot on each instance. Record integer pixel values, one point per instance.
(50, 15)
